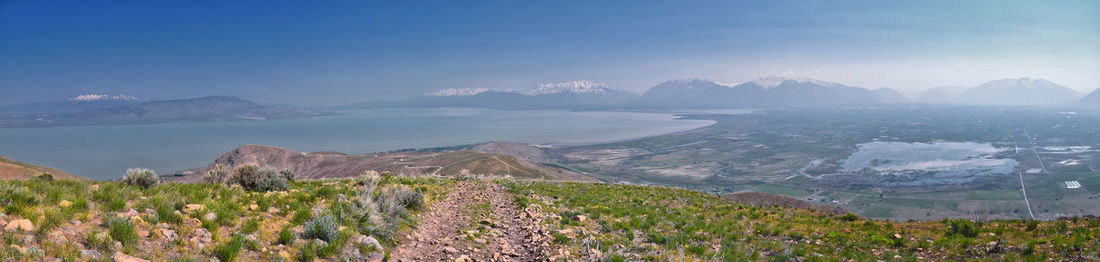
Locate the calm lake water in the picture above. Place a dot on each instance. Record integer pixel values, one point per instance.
(104, 152)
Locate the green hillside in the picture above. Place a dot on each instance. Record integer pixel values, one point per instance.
(447, 219)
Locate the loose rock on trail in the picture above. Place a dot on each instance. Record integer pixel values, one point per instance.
(477, 220)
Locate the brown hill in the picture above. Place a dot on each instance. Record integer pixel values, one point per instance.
(765, 199)
(523, 151)
(11, 169)
(318, 165)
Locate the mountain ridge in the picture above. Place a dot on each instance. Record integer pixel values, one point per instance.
(209, 108)
(1022, 91)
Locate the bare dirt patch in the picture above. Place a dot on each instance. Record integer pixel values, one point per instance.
(477, 220)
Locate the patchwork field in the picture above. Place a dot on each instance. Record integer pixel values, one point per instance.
(887, 163)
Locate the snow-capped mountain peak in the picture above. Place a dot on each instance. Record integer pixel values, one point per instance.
(102, 97)
(773, 81)
(1025, 83)
(459, 92)
(577, 87)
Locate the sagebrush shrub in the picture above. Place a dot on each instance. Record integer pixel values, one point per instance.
(272, 184)
(218, 175)
(247, 176)
(141, 177)
(323, 227)
(287, 174)
(253, 178)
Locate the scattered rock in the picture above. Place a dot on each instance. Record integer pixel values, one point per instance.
(370, 241)
(201, 237)
(464, 258)
(95, 187)
(91, 255)
(253, 207)
(65, 203)
(189, 208)
(169, 234)
(580, 218)
(210, 216)
(120, 257)
(450, 250)
(129, 214)
(20, 224)
(34, 252)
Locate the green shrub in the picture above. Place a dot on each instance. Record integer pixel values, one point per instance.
(122, 230)
(142, 177)
(849, 217)
(961, 227)
(166, 212)
(51, 219)
(15, 199)
(1032, 225)
(229, 250)
(45, 176)
(300, 216)
(323, 227)
(250, 226)
(115, 204)
(286, 237)
(98, 240)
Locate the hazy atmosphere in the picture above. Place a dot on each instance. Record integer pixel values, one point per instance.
(343, 52)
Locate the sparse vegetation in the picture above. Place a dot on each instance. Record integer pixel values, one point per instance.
(122, 230)
(631, 223)
(688, 225)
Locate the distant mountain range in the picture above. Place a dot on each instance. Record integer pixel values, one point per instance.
(765, 92)
(211, 108)
(1019, 91)
(1092, 100)
(572, 94)
(689, 93)
(72, 105)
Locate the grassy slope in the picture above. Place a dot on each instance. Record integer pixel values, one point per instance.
(631, 222)
(11, 169)
(664, 224)
(162, 207)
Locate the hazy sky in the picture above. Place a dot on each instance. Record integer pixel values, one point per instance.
(338, 52)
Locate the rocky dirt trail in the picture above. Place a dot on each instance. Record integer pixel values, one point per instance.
(477, 221)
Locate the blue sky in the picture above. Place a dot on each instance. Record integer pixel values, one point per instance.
(338, 52)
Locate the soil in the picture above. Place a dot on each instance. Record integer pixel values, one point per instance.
(460, 227)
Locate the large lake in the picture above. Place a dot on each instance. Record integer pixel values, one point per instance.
(104, 152)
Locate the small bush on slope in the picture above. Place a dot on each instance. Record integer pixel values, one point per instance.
(323, 227)
(142, 177)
